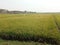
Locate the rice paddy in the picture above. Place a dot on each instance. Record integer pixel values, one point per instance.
(43, 28)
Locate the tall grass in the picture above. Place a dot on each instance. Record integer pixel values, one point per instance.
(29, 27)
(5, 42)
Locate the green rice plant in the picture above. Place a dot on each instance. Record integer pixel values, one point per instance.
(29, 27)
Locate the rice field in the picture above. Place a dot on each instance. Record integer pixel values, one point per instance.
(43, 28)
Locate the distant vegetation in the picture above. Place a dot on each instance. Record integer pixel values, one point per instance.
(4, 11)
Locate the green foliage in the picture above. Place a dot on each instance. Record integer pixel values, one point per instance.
(29, 27)
(4, 42)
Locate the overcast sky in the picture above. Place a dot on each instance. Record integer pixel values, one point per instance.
(31, 5)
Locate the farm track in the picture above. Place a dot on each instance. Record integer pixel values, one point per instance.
(55, 20)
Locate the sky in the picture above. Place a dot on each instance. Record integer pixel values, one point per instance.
(31, 5)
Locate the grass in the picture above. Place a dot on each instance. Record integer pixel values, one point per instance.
(5, 42)
(30, 27)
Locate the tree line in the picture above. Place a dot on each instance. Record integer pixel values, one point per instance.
(4, 11)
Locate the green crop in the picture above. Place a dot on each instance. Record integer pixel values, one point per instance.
(30, 27)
